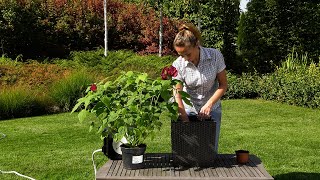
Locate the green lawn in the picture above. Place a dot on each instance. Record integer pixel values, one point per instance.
(286, 138)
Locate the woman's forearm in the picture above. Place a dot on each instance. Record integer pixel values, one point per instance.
(178, 99)
(223, 86)
(217, 95)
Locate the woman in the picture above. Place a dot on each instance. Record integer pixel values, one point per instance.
(202, 71)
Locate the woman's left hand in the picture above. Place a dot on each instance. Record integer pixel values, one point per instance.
(205, 111)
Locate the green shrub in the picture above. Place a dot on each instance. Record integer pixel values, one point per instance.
(117, 61)
(244, 86)
(150, 64)
(87, 58)
(115, 58)
(294, 83)
(21, 102)
(66, 91)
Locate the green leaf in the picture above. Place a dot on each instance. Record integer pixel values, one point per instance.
(112, 116)
(187, 101)
(87, 101)
(131, 100)
(76, 107)
(166, 95)
(133, 108)
(117, 137)
(91, 126)
(166, 84)
(106, 100)
(107, 84)
(171, 109)
(129, 73)
(82, 115)
(142, 77)
(157, 115)
(80, 101)
(100, 129)
(122, 130)
(104, 121)
(184, 94)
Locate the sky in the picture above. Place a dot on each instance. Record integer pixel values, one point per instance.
(243, 4)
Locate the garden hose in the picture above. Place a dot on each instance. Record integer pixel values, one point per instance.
(94, 165)
(14, 172)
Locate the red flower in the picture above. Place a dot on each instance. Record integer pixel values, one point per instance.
(168, 72)
(93, 87)
(172, 71)
(164, 73)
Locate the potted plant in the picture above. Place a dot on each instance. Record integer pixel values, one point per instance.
(133, 106)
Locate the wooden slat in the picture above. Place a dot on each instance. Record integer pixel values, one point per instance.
(257, 161)
(252, 170)
(124, 172)
(211, 173)
(252, 165)
(213, 170)
(247, 170)
(229, 163)
(120, 169)
(102, 172)
(116, 168)
(242, 168)
(113, 165)
(206, 173)
(220, 169)
(183, 172)
(136, 172)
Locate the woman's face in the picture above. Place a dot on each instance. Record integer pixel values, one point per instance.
(189, 53)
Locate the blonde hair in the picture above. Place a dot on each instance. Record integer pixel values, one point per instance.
(188, 35)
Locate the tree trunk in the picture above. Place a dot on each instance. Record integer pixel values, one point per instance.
(199, 15)
(161, 30)
(105, 27)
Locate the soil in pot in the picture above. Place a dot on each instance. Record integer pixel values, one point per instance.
(132, 157)
(242, 156)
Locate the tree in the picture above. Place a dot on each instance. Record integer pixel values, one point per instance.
(160, 2)
(271, 28)
(229, 27)
(217, 20)
(105, 27)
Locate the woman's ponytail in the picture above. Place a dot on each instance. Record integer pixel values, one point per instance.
(188, 35)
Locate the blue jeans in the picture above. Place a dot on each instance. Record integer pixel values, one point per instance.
(216, 116)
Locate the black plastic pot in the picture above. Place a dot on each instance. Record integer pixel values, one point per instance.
(133, 157)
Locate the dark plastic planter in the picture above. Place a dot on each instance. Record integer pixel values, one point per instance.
(193, 143)
(133, 157)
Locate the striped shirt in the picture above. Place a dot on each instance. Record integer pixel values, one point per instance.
(200, 82)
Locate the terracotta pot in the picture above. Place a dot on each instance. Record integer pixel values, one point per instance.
(242, 156)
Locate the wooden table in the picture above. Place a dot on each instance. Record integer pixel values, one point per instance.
(159, 166)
